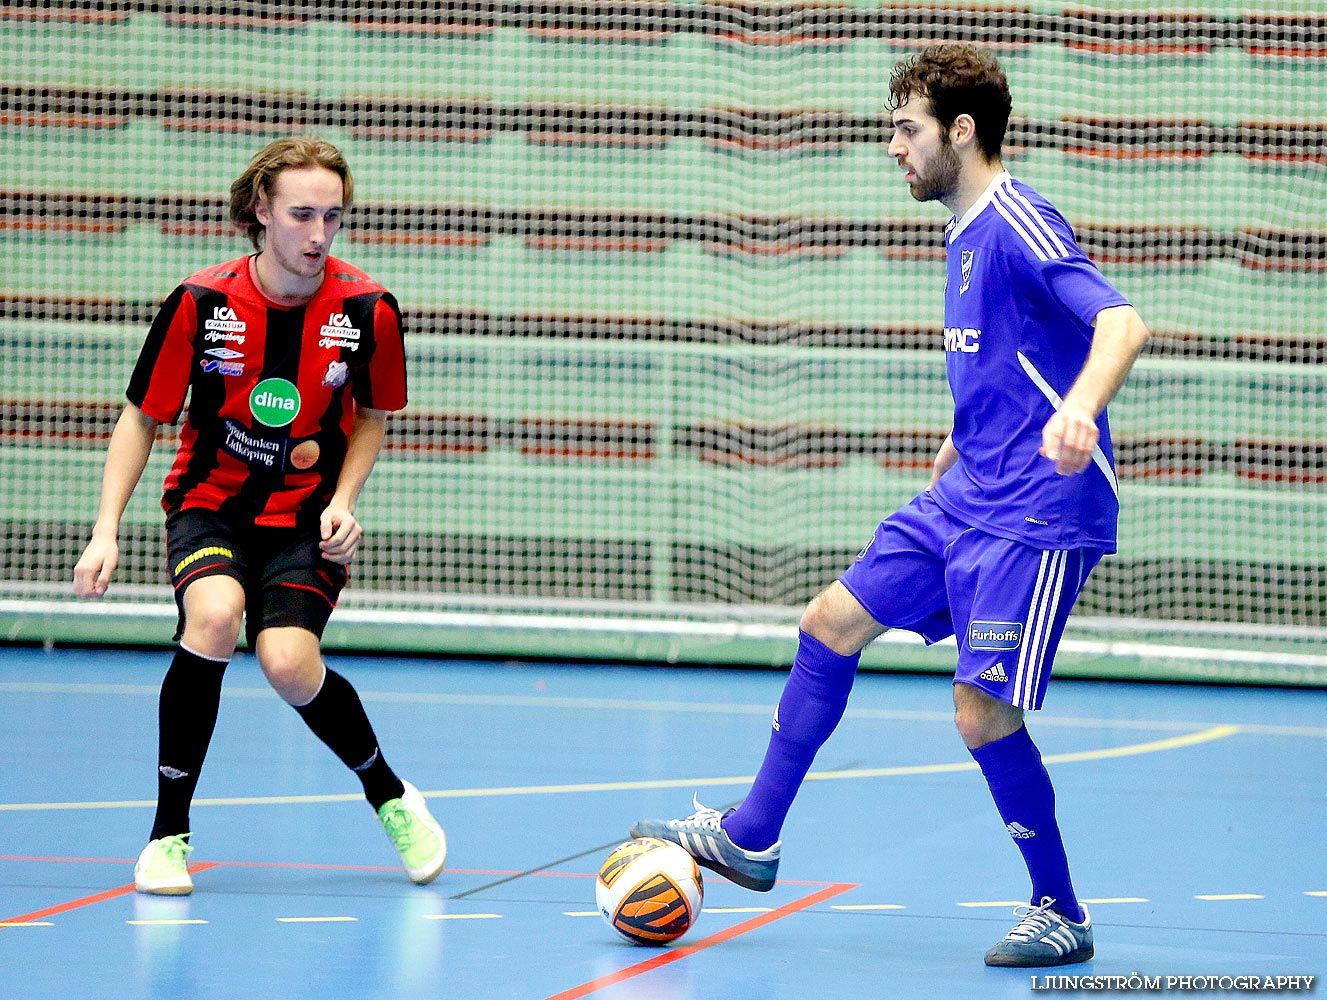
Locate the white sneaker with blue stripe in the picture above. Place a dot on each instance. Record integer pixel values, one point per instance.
(1043, 937)
(701, 836)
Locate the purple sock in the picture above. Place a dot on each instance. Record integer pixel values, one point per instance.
(1026, 800)
(811, 706)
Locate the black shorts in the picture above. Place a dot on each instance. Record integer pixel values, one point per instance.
(286, 580)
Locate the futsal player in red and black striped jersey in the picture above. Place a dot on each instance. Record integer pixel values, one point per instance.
(290, 360)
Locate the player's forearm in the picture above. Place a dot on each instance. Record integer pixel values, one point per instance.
(362, 447)
(1118, 336)
(126, 457)
(944, 460)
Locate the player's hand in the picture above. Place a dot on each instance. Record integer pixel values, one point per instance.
(92, 573)
(1068, 440)
(341, 535)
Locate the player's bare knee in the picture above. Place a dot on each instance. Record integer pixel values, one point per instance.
(835, 618)
(213, 630)
(982, 719)
(292, 673)
(814, 621)
(823, 625)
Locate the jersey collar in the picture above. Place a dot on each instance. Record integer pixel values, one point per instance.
(956, 225)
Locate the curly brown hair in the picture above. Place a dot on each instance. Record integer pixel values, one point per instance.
(259, 178)
(958, 78)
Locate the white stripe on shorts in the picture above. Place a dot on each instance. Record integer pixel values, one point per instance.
(1040, 624)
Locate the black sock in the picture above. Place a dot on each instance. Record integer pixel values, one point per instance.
(337, 717)
(186, 716)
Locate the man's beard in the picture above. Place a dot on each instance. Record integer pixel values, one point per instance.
(941, 178)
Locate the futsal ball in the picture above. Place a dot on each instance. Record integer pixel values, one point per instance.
(649, 891)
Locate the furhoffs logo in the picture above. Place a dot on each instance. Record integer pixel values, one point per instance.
(995, 635)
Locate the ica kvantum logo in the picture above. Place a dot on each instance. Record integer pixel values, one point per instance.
(274, 402)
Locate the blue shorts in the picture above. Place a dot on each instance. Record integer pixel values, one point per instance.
(1006, 602)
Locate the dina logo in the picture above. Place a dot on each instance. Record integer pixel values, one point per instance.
(274, 402)
(995, 635)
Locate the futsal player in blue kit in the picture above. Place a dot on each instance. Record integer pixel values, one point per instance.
(1022, 503)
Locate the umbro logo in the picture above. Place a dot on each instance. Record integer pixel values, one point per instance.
(996, 674)
(1019, 832)
(172, 772)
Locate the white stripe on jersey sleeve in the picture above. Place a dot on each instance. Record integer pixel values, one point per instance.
(1030, 225)
(1016, 196)
(1036, 246)
(1098, 456)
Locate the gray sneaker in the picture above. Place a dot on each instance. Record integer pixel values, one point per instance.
(701, 836)
(1044, 937)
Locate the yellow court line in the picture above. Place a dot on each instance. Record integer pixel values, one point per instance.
(1231, 895)
(1156, 746)
(1315, 892)
(315, 920)
(162, 923)
(1104, 753)
(26, 923)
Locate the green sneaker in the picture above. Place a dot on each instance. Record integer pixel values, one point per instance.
(416, 834)
(161, 869)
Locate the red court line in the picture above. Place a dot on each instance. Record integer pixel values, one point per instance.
(675, 954)
(100, 897)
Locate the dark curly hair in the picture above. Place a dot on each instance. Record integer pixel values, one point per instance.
(259, 178)
(958, 78)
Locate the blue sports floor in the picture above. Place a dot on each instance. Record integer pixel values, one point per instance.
(1194, 817)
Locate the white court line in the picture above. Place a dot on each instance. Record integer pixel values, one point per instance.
(683, 707)
(1227, 896)
(162, 923)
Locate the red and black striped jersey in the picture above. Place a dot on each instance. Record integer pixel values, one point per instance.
(271, 390)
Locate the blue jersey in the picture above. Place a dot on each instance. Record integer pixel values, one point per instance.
(1020, 298)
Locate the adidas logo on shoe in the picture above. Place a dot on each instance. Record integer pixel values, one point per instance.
(996, 674)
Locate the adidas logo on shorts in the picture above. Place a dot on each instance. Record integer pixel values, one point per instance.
(995, 673)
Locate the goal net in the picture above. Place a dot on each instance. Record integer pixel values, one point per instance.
(672, 317)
